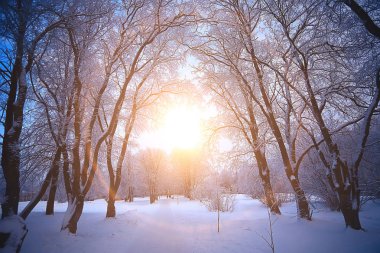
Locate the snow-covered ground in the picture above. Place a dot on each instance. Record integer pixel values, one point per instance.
(180, 225)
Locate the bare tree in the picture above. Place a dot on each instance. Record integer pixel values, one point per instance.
(312, 48)
(135, 37)
(19, 19)
(242, 109)
(153, 162)
(239, 56)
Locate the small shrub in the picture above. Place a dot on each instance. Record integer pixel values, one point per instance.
(223, 202)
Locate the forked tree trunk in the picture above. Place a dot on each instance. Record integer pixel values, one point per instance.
(53, 182)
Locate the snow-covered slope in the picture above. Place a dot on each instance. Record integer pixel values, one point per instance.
(180, 225)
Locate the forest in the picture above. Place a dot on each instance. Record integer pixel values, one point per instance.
(208, 101)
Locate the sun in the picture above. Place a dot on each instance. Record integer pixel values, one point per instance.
(182, 128)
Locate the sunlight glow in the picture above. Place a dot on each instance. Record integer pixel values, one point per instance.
(182, 127)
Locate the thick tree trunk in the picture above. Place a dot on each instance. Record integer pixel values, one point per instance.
(53, 182)
(111, 211)
(350, 214)
(349, 197)
(10, 159)
(72, 215)
(10, 162)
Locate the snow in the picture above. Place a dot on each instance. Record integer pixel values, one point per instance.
(181, 225)
(13, 225)
(346, 183)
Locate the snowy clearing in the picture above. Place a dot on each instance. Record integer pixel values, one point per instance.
(180, 225)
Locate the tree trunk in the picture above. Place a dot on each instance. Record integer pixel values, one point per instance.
(269, 196)
(187, 185)
(72, 215)
(151, 199)
(302, 203)
(350, 214)
(10, 162)
(152, 195)
(129, 197)
(262, 163)
(264, 173)
(111, 211)
(349, 198)
(53, 182)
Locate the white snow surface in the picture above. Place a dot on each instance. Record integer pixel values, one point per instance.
(13, 225)
(181, 225)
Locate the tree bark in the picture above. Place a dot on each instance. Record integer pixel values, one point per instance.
(269, 195)
(72, 215)
(302, 203)
(111, 211)
(349, 197)
(350, 214)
